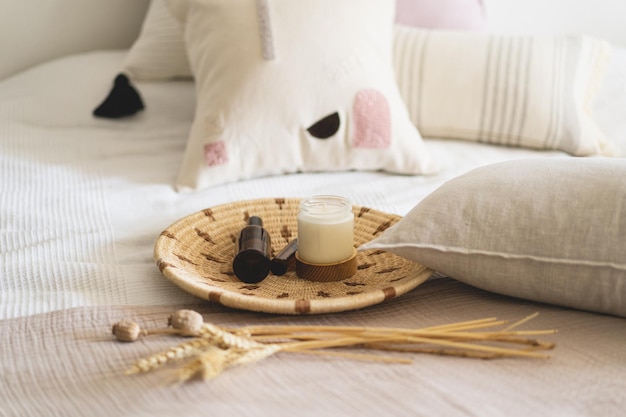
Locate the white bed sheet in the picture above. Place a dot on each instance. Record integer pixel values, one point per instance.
(84, 199)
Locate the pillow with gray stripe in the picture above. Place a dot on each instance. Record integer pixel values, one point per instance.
(546, 229)
(513, 90)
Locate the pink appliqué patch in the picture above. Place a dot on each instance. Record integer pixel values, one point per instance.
(372, 120)
(215, 153)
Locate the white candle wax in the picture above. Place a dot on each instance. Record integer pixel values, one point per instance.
(325, 230)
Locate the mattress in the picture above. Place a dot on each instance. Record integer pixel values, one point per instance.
(83, 201)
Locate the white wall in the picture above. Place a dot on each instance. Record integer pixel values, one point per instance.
(601, 18)
(33, 31)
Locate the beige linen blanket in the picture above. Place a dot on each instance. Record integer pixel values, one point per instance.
(65, 363)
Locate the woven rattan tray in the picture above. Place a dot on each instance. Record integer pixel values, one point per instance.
(196, 253)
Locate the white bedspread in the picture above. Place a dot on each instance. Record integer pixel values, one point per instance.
(82, 201)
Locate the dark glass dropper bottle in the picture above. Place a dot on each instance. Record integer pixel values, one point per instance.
(253, 252)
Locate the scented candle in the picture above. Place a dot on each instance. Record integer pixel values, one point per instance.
(325, 230)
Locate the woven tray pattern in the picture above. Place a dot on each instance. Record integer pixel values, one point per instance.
(196, 253)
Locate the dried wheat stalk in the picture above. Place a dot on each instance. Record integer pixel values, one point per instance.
(215, 349)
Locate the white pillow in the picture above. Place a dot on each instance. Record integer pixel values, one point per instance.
(159, 51)
(286, 86)
(549, 230)
(514, 90)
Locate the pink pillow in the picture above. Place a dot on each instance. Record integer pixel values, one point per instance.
(441, 14)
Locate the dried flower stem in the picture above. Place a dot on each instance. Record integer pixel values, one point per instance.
(454, 336)
(522, 321)
(353, 341)
(436, 351)
(355, 356)
(472, 324)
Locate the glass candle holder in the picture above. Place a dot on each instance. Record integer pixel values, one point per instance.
(325, 229)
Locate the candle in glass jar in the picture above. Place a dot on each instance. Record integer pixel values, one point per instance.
(325, 230)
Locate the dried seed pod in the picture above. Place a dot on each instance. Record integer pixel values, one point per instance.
(187, 320)
(126, 330)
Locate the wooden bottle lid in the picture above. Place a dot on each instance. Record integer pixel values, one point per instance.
(326, 272)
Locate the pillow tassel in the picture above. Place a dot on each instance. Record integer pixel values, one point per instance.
(123, 100)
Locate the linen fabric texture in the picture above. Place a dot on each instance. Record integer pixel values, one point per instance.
(286, 86)
(549, 230)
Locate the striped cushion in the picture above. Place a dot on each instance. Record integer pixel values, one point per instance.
(526, 91)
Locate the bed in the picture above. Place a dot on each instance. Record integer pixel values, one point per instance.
(84, 199)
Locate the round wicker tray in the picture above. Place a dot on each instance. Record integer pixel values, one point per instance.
(196, 253)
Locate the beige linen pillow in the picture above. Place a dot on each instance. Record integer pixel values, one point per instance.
(514, 90)
(549, 230)
(287, 86)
